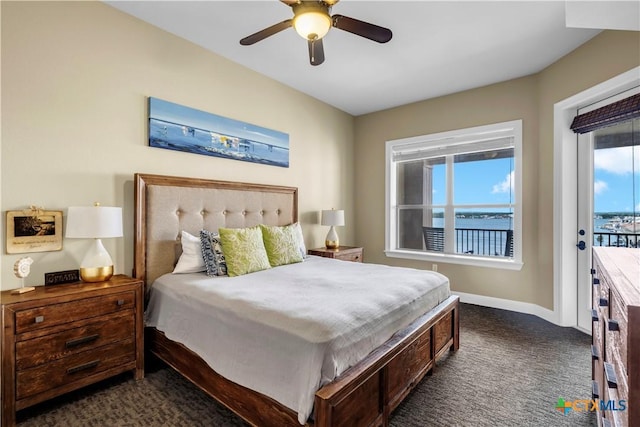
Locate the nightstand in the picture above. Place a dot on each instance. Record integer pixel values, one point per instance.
(63, 337)
(345, 253)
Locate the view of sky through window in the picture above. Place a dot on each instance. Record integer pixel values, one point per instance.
(616, 184)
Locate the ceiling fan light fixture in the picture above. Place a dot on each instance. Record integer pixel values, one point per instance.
(312, 25)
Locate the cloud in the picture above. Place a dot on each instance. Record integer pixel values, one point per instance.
(504, 186)
(599, 187)
(618, 160)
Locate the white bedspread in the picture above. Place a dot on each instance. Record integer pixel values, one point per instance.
(287, 331)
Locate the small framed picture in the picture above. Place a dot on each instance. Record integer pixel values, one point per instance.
(34, 230)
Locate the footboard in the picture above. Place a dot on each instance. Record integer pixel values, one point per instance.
(366, 393)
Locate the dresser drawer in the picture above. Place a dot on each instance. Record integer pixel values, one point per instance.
(105, 330)
(56, 314)
(613, 412)
(600, 288)
(604, 298)
(74, 367)
(617, 330)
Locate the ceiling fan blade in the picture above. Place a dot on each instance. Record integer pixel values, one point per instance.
(316, 52)
(269, 31)
(362, 29)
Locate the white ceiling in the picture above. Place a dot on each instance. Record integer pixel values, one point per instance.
(438, 47)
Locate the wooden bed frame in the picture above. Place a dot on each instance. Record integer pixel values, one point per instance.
(364, 395)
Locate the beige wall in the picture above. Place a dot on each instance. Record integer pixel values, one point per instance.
(530, 99)
(75, 82)
(76, 75)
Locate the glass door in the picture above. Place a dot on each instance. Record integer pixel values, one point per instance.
(608, 199)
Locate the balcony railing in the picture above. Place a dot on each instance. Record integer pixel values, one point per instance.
(490, 242)
(476, 241)
(624, 240)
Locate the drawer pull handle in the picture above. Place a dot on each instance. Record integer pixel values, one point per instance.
(82, 340)
(610, 375)
(595, 393)
(604, 302)
(120, 302)
(594, 353)
(596, 281)
(594, 315)
(39, 319)
(613, 325)
(593, 271)
(83, 367)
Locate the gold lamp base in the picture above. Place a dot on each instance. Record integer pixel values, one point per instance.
(332, 244)
(96, 274)
(332, 241)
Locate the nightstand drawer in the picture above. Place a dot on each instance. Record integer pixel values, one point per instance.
(56, 314)
(343, 253)
(75, 367)
(103, 331)
(350, 256)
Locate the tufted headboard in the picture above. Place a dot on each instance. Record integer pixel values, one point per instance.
(166, 205)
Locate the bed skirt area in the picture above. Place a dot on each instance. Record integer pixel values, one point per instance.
(363, 395)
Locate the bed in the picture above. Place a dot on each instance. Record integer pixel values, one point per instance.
(362, 395)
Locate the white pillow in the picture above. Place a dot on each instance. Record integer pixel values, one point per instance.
(301, 245)
(191, 260)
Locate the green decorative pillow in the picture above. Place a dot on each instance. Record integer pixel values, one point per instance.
(282, 244)
(243, 250)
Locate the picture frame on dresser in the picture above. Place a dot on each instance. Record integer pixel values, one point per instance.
(33, 230)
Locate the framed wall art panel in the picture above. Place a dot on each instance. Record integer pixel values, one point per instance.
(176, 127)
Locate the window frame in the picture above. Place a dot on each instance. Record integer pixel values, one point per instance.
(473, 135)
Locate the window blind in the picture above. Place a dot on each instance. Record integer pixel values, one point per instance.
(425, 151)
(620, 111)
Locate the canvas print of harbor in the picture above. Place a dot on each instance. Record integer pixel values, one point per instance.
(176, 127)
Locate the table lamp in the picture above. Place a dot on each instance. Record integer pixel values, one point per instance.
(95, 222)
(332, 218)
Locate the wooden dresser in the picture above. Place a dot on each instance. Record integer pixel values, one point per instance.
(616, 335)
(63, 337)
(345, 253)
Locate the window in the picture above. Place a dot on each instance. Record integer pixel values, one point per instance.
(455, 196)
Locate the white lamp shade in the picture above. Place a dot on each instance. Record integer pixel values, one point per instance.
(332, 217)
(94, 222)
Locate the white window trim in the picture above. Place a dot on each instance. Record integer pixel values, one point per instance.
(456, 137)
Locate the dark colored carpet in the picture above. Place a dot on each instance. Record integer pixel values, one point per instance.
(511, 370)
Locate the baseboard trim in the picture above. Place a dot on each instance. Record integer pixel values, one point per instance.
(505, 304)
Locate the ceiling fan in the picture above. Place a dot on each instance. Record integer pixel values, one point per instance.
(312, 20)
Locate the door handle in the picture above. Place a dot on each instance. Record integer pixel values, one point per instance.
(581, 245)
